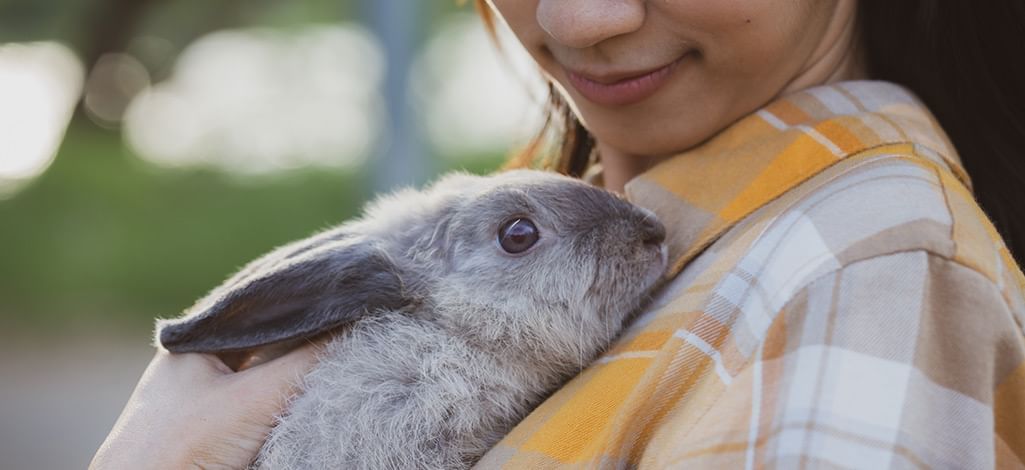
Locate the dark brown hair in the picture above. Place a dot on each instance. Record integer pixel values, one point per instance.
(963, 59)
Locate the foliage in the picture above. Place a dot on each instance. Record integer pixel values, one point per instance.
(102, 237)
(105, 239)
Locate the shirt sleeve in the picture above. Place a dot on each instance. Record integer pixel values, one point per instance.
(902, 360)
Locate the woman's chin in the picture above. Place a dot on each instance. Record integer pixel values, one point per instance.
(644, 142)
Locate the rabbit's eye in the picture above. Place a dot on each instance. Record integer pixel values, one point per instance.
(517, 235)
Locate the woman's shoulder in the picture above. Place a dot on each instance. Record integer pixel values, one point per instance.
(883, 203)
(872, 303)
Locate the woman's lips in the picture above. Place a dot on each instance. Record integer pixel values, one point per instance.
(619, 91)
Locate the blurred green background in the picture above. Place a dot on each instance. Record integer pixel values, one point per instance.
(149, 148)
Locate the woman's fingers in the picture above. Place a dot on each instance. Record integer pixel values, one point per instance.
(280, 378)
(282, 373)
(191, 409)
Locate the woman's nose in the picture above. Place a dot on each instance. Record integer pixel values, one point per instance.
(583, 23)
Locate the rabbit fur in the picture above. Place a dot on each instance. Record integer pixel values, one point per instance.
(444, 340)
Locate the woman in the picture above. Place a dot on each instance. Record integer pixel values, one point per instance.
(838, 296)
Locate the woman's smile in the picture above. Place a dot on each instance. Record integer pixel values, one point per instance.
(651, 79)
(620, 88)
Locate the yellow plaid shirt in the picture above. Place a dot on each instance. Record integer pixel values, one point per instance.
(837, 299)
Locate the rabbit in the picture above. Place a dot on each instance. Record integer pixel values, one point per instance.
(457, 309)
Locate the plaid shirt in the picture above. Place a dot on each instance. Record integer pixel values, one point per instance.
(837, 299)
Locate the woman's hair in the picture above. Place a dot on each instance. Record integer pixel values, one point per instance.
(963, 59)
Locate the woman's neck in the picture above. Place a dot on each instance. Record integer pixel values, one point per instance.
(619, 167)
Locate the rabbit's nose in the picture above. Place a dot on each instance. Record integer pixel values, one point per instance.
(652, 231)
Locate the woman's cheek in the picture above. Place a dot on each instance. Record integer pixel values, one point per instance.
(521, 16)
(747, 39)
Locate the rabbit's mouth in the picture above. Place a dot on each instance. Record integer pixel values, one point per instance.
(637, 280)
(658, 269)
(654, 275)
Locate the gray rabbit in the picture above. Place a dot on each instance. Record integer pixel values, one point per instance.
(457, 308)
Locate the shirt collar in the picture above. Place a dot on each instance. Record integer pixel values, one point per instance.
(701, 193)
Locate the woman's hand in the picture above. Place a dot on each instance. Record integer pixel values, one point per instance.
(192, 411)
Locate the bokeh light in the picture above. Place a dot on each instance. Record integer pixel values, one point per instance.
(260, 100)
(113, 82)
(475, 100)
(40, 83)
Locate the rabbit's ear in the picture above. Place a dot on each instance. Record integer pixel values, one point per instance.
(296, 297)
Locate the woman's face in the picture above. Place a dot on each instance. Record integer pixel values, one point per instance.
(650, 78)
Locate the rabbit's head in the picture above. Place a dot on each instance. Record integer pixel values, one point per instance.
(524, 261)
(543, 264)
